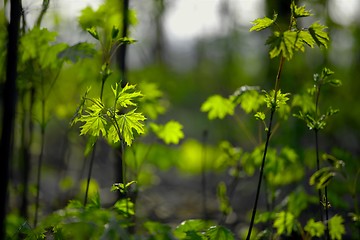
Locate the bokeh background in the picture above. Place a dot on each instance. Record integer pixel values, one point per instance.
(192, 50)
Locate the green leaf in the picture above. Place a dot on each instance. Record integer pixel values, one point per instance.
(286, 43)
(114, 32)
(306, 38)
(78, 51)
(262, 23)
(336, 227)
(94, 122)
(315, 229)
(125, 207)
(322, 177)
(218, 107)
(158, 230)
(171, 132)
(319, 35)
(219, 233)
(127, 123)
(192, 225)
(298, 12)
(251, 101)
(121, 187)
(225, 206)
(126, 96)
(281, 99)
(260, 116)
(93, 32)
(284, 222)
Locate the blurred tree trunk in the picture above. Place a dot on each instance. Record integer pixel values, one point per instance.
(159, 45)
(9, 105)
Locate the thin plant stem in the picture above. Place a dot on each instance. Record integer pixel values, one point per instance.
(41, 156)
(317, 168)
(327, 214)
(273, 109)
(92, 159)
(203, 174)
(89, 174)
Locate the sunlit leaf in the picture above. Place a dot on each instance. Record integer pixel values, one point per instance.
(286, 43)
(298, 12)
(171, 132)
(126, 96)
(262, 23)
(284, 223)
(322, 177)
(219, 233)
(336, 227)
(319, 35)
(192, 225)
(218, 107)
(315, 229)
(94, 122)
(129, 122)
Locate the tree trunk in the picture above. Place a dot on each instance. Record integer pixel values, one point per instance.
(9, 106)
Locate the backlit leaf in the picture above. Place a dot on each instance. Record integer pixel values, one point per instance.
(126, 96)
(298, 12)
(218, 107)
(262, 23)
(285, 222)
(322, 177)
(336, 227)
(315, 229)
(171, 132)
(219, 233)
(129, 122)
(319, 35)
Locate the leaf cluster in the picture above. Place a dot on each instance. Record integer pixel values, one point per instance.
(286, 42)
(112, 122)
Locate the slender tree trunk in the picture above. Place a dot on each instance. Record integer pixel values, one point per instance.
(9, 106)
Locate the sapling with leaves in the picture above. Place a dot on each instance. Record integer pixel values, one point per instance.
(283, 44)
(316, 121)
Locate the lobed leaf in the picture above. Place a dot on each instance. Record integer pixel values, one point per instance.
(126, 96)
(336, 227)
(322, 177)
(127, 123)
(317, 32)
(171, 132)
(218, 107)
(285, 222)
(315, 229)
(298, 12)
(262, 23)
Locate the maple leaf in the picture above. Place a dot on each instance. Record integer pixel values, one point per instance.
(218, 107)
(262, 23)
(126, 96)
(171, 132)
(126, 124)
(298, 12)
(319, 35)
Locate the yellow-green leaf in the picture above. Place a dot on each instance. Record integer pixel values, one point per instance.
(218, 107)
(336, 227)
(262, 23)
(171, 132)
(129, 122)
(319, 35)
